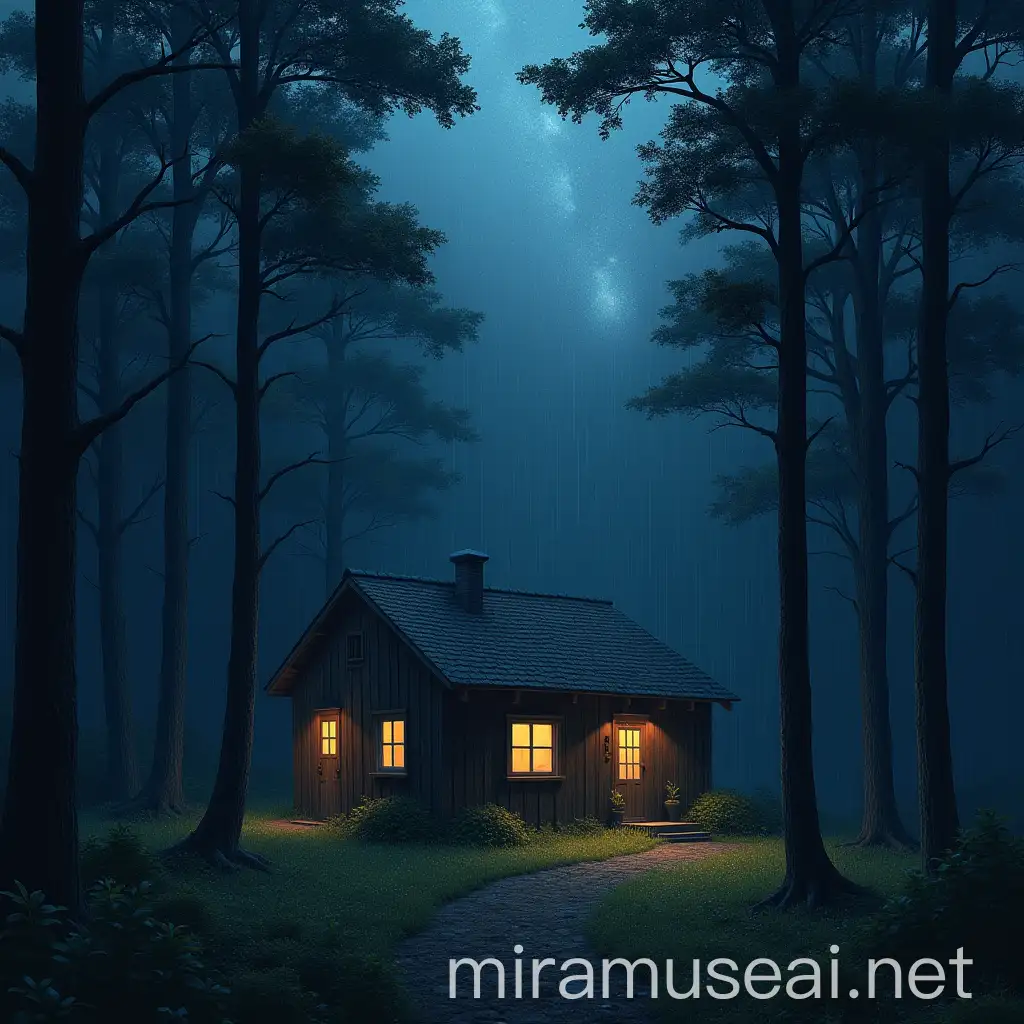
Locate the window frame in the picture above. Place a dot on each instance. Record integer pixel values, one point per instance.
(355, 634)
(322, 714)
(557, 723)
(379, 718)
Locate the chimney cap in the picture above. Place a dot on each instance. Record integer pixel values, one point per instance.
(468, 555)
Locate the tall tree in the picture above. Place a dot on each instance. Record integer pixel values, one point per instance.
(371, 410)
(753, 136)
(191, 118)
(956, 29)
(377, 59)
(39, 839)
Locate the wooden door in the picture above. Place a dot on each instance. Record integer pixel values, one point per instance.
(328, 769)
(630, 742)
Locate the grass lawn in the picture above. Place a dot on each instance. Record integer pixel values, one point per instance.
(702, 910)
(323, 893)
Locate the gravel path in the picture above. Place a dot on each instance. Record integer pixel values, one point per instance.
(545, 913)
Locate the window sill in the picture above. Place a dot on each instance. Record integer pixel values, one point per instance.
(389, 775)
(533, 777)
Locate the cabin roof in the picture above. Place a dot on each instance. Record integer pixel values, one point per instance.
(519, 640)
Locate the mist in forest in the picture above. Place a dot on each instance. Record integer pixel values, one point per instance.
(564, 487)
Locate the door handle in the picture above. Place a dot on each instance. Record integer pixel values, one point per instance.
(320, 768)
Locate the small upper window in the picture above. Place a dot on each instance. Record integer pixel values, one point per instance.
(354, 648)
(532, 748)
(392, 744)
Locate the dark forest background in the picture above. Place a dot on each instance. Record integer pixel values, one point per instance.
(565, 488)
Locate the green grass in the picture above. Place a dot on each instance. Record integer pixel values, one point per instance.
(702, 910)
(358, 897)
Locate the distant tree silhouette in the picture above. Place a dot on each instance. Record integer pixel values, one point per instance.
(370, 411)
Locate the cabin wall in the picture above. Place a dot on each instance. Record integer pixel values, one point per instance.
(475, 751)
(390, 678)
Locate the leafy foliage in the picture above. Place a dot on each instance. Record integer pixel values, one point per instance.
(124, 963)
(726, 812)
(974, 900)
(489, 825)
(121, 857)
(390, 819)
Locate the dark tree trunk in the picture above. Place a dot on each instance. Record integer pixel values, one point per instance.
(880, 823)
(164, 789)
(217, 835)
(121, 774)
(811, 878)
(939, 820)
(121, 769)
(39, 839)
(334, 518)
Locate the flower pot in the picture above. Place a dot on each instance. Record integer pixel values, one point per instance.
(672, 810)
(617, 817)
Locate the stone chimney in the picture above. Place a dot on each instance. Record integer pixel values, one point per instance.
(469, 579)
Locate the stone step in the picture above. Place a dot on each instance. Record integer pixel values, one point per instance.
(683, 837)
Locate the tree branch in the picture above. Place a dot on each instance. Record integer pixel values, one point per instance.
(15, 338)
(964, 285)
(278, 541)
(132, 519)
(89, 524)
(20, 170)
(232, 386)
(309, 460)
(88, 431)
(996, 438)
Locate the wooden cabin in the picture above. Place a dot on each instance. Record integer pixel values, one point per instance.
(459, 694)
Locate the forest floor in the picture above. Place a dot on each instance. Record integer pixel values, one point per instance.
(333, 914)
(323, 893)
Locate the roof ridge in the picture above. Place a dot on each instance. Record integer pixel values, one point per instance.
(401, 577)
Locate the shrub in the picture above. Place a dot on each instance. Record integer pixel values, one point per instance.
(392, 819)
(975, 900)
(726, 812)
(124, 964)
(489, 825)
(120, 857)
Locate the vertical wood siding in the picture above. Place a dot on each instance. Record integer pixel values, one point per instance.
(456, 750)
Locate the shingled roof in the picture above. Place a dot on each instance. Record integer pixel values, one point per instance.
(520, 640)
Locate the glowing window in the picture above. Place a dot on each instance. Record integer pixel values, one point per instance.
(328, 737)
(629, 754)
(533, 748)
(392, 744)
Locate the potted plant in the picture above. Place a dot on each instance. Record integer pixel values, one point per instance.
(618, 807)
(672, 801)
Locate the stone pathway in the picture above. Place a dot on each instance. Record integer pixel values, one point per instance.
(545, 913)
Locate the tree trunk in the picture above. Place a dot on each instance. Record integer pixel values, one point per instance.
(121, 774)
(880, 823)
(164, 789)
(939, 820)
(121, 771)
(811, 878)
(217, 835)
(334, 525)
(39, 839)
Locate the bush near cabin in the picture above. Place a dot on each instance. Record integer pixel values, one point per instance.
(727, 812)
